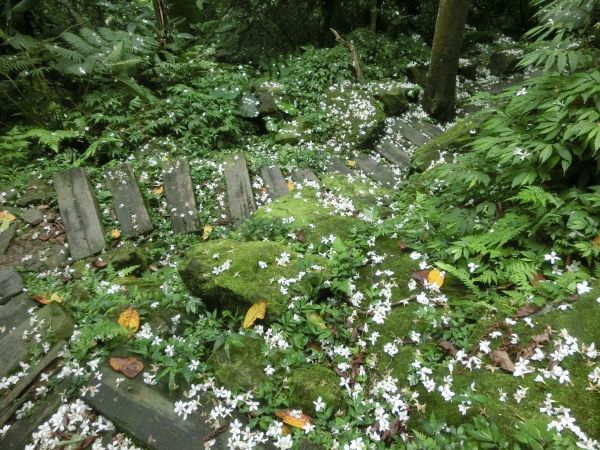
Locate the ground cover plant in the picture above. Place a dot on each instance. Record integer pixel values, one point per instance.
(455, 306)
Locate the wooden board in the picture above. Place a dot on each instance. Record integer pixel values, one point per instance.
(336, 165)
(80, 213)
(410, 133)
(274, 181)
(146, 413)
(239, 188)
(128, 202)
(304, 176)
(6, 237)
(15, 311)
(180, 196)
(393, 153)
(376, 171)
(11, 283)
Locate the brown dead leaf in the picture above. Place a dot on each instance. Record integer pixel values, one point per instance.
(401, 246)
(544, 337)
(256, 311)
(87, 442)
(300, 236)
(420, 275)
(130, 366)
(448, 347)
(537, 278)
(501, 359)
(314, 346)
(115, 234)
(158, 190)
(294, 418)
(100, 263)
(217, 431)
(130, 319)
(525, 311)
(597, 240)
(41, 299)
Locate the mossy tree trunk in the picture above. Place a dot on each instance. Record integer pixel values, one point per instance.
(440, 93)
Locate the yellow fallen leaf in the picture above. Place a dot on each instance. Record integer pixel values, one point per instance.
(130, 319)
(317, 320)
(597, 240)
(294, 418)
(290, 185)
(256, 311)
(206, 232)
(41, 299)
(115, 234)
(351, 163)
(6, 219)
(436, 277)
(158, 190)
(54, 297)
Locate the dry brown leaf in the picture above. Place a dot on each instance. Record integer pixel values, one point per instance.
(206, 231)
(130, 366)
(294, 418)
(100, 263)
(158, 190)
(115, 234)
(256, 311)
(525, 311)
(420, 275)
(41, 299)
(130, 319)
(436, 277)
(536, 278)
(597, 240)
(501, 359)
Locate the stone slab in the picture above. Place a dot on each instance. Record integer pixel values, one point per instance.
(128, 202)
(239, 188)
(410, 133)
(336, 165)
(180, 196)
(80, 213)
(376, 171)
(304, 176)
(393, 153)
(15, 311)
(6, 237)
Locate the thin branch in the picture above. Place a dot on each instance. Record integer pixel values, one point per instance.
(354, 52)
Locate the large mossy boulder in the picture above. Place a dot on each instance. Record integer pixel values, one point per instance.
(393, 97)
(358, 114)
(503, 63)
(226, 274)
(308, 383)
(237, 364)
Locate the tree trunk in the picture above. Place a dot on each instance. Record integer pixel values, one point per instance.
(440, 92)
(162, 23)
(374, 11)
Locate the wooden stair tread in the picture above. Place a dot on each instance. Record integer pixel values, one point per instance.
(80, 212)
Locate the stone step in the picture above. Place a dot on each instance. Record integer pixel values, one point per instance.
(274, 181)
(11, 284)
(336, 165)
(393, 152)
(6, 237)
(376, 171)
(304, 176)
(239, 188)
(80, 213)
(409, 132)
(15, 311)
(428, 129)
(128, 202)
(180, 196)
(147, 414)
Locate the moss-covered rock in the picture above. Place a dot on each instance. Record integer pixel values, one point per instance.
(225, 274)
(358, 114)
(503, 63)
(308, 383)
(126, 256)
(237, 364)
(290, 132)
(393, 97)
(450, 139)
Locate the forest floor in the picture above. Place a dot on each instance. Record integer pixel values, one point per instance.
(316, 322)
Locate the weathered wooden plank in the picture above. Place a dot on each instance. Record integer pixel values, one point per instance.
(180, 196)
(19, 433)
(393, 153)
(410, 133)
(147, 414)
(6, 237)
(11, 283)
(304, 176)
(128, 202)
(8, 405)
(375, 170)
(274, 181)
(80, 213)
(239, 188)
(15, 311)
(13, 347)
(337, 165)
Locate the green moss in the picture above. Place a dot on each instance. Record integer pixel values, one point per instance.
(453, 137)
(363, 195)
(237, 365)
(244, 283)
(308, 383)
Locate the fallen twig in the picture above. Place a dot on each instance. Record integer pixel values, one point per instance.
(354, 52)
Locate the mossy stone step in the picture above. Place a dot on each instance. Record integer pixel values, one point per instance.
(274, 181)
(376, 171)
(305, 176)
